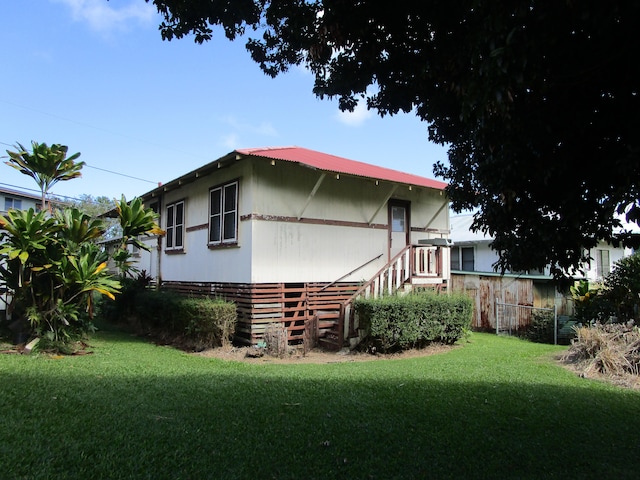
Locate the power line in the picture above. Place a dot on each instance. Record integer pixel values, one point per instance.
(104, 170)
(25, 189)
(121, 174)
(87, 125)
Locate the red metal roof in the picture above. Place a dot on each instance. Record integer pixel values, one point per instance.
(332, 163)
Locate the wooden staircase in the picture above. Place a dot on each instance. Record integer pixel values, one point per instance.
(325, 303)
(337, 325)
(328, 329)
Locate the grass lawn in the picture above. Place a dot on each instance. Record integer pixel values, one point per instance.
(494, 408)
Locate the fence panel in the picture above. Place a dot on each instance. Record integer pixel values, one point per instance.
(511, 317)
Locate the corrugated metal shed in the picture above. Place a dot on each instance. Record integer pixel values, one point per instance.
(332, 163)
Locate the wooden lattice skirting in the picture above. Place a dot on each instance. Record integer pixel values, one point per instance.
(297, 305)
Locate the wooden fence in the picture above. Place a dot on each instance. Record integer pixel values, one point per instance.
(512, 289)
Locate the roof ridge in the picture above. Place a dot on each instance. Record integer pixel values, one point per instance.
(338, 164)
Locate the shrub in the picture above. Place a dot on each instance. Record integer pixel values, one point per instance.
(159, 311)
(51, 268)
(210, 322)
(122, 308)
(397, 323)
(194, 323)
(590, 304)
(622, 288)
(541, 329)
(618, 299)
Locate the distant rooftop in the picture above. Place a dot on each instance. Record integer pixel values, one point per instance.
(461, 224)
(19, 193)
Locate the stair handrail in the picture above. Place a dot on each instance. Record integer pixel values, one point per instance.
(367, 284)
(345, 307)
(351, 272)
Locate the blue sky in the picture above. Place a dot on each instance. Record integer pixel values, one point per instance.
(95, 75)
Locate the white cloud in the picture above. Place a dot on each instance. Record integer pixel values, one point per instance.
(356, 118)
(241, 130)
(230, 141)
(264, 128)
(105, 17)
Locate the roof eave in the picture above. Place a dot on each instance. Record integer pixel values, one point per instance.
(192, 176)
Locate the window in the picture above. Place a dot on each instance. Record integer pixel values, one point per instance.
(603, 267)
(10, 203)
(462, 258)
(398, 218)
(536, 271)
(175, 226)
(223, 216)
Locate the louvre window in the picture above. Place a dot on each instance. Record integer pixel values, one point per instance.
(175, 226)
(463, 258)
(223, 217)
(10, 202)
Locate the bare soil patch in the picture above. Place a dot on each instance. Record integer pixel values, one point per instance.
(317, 355)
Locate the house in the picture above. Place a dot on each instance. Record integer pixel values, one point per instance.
(291, 234)
(16, 200)
(472, 271)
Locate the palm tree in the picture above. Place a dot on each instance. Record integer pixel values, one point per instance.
(46, 165)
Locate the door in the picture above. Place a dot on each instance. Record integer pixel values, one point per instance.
(399, 226)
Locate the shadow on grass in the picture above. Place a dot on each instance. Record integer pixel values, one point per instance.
(240, 421)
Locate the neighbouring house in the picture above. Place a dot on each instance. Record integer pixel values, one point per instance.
(291, 235)
(16, 200)
(472, 271)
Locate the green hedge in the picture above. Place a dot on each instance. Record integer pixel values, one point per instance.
(210, 322)
(199, 322)
(397, 323)
(196, 323)
(542, 328)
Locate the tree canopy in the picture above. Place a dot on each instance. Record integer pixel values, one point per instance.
(47, 165)
(538, 102)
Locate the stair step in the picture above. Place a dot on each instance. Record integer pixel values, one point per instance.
(327, 325)
(329, 343)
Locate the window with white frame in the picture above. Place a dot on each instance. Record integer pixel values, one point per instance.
(463, 258)
(175, 226)
(10, 202)
(603, 265)
(223, 214)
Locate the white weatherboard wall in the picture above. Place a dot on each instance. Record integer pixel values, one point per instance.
(148, 260)
(314, 253)
(615, 254)
(484, 257)
(289, 233)
(303, 248)
(199, 263)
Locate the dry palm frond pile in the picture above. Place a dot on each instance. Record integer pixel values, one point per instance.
(611, 349)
